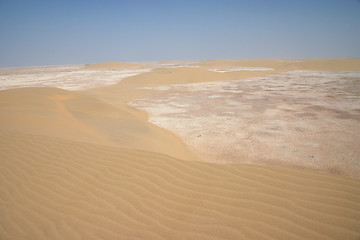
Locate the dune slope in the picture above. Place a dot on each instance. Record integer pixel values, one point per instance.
(183, 75)
(58, 189)
(74, 116)
(329, 65)
(334, 64)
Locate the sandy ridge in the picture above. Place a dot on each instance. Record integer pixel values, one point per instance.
(79, 117)
(114, 65)
(334, 64)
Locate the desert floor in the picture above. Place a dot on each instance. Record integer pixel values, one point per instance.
(223, 149)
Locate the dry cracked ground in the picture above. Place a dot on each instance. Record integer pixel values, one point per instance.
(302, 119)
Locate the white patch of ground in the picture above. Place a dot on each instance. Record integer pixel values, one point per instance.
(303, 119)
(65, 77)
(234, 69)
(171, 65)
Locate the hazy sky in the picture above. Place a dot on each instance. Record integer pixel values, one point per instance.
(53, 32)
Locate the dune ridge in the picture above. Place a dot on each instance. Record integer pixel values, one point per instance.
(53, 188)
(114, 65)
(203, 73)
(183, 75)
(332, 64)
(75, 116)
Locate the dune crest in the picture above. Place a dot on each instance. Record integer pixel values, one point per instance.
(184, 75)
(78, 117)
(114, 65)
(333, 64)
(329, 65)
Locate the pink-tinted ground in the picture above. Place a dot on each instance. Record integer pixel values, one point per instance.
(302, 119)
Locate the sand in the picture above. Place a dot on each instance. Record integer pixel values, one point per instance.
(89, 165)
(114, 65)
(74, 116)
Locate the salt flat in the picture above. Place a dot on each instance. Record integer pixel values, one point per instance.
(75, 78)
(306, 119)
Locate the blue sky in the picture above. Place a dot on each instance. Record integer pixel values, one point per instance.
(55, 32)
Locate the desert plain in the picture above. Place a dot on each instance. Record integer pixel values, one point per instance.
(217, 149)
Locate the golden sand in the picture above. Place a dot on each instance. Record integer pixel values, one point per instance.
(85, 165)
(114, 65)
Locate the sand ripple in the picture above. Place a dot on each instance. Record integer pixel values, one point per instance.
(57, 189)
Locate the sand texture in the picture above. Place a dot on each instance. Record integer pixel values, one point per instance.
(74, 116)
(223, 149)
(57, 189)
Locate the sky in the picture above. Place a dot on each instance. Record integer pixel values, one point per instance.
(59, 32)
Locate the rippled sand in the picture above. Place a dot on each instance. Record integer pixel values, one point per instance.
(85, 164)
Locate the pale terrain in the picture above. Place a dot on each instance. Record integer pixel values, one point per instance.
(225, 149)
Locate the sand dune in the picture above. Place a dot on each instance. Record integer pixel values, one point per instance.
(139, 86)
(78, 117)
(288, 65)
(271, 63)
(329, 65)
(183, 75)
(114, 65)
(86, 165)
(56, 189)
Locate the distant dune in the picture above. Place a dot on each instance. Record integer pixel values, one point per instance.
(183, 75)
(87, 165)
(114, 65)
(330, 65)
(288, 65)
(273, 63)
